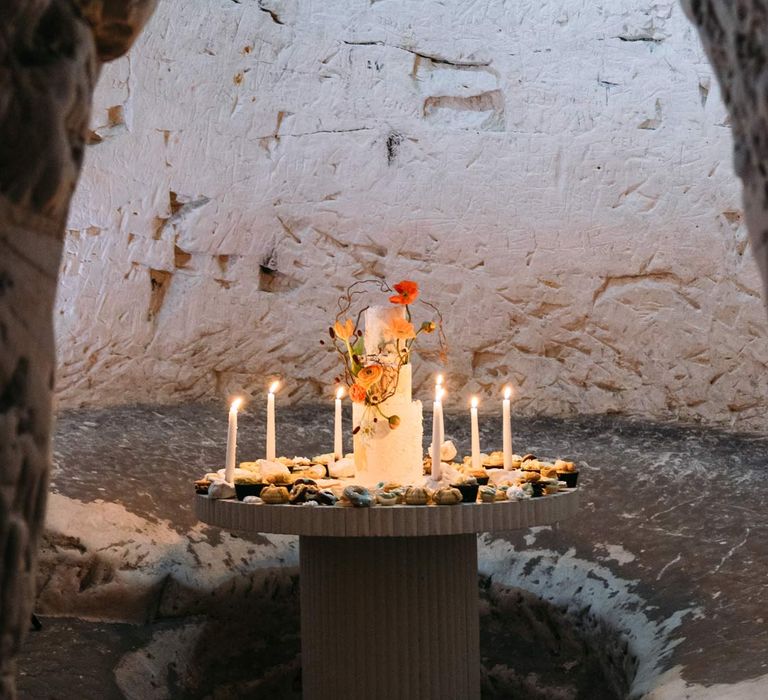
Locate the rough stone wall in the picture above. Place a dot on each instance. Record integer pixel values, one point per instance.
(50, 52)
(735, 36)
(557, 175)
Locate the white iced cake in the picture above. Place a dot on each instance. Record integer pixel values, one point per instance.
(383, 453)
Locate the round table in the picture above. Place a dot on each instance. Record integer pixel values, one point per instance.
(389, 594)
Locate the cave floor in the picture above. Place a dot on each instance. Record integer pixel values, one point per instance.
(676, 511)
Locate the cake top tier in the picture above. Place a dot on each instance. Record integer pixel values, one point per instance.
(379, 340)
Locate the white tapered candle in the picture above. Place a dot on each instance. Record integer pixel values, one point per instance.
(475, 435)
(437, 433)
(271, 452)
(439, 385)
(507, 430)
(338, 442)
(229, 466)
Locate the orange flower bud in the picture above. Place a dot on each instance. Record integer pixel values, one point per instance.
(357, 393)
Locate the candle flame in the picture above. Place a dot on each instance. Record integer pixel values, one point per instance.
(507, 392)
(235, 405)
(439, 380)
(273, 387)
(439, 393)
(340, 392)
(475, 401)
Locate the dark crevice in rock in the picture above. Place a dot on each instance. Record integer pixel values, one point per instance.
(640, 37)
(456, 62)
(272, 13)
(393, 143)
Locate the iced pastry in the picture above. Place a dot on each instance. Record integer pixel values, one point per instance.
(447, 496)
(275, 494)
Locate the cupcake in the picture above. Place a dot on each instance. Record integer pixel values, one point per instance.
(250, 485)
(529, 463)
(480, 475)
(468, 486)
(201, 486)
(567, 472)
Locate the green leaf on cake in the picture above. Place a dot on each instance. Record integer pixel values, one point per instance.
(358, 350)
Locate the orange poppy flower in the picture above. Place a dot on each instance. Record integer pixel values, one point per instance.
(401, 329)
(369, 375)
(344, 330)
(357, 393)
(407, 292)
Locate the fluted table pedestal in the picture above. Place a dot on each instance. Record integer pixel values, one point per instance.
(391, 617)
(389, 595)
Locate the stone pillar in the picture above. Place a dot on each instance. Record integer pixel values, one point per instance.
(50, 52)
(735, 37)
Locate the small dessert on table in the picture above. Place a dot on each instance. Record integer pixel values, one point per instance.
(248, 485)
(201, 486)
(358, 496)
(468, 487)
(529, 463)
(341, 469)
(416, 496)
(312, 471)
(275, 494)
(487, 494)
(387, 498)
(548, 471)
(274, 472)
(567, 472)
(326, 497)
(495, 460)
(518, 493)
(447, 496)
(303, 492)
(221, 489)
(479, 475)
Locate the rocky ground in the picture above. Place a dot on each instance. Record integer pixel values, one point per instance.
(656, 589)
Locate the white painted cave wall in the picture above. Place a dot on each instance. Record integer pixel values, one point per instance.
(558, 180)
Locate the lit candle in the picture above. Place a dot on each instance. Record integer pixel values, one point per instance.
(475, 435)
(229, 467)
(271, 421)
(437, 432)
(507, 429)
(439, 385)
(338, 443)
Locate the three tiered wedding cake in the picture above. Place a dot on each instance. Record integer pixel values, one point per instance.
(381, 452)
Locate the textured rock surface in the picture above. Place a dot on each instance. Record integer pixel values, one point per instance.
(735, 36)
(49, 57)
(557, 175)
(652, 587)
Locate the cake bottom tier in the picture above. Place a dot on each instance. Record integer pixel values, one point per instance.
(384, 454)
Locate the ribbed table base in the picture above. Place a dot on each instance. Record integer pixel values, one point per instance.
(394, 618)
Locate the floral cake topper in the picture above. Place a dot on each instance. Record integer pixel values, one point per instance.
(372, 379)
